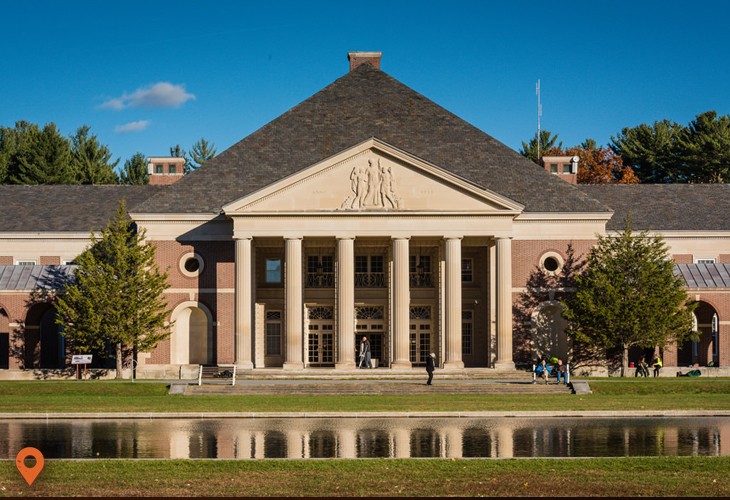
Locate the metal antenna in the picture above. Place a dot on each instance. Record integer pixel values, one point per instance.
(539, 114)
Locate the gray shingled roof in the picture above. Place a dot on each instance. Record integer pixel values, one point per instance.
(666, 207)
(704, 275)
(35, 277)
(65, 208)
(367, 103)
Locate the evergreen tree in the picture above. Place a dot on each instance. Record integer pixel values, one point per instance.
(91, 160)
(135, 170)
(704, 149)
(650, 150)
(547, 142)
(44, 157)
(118, 295)
(13, 142)
(628, 295)
(201, 152)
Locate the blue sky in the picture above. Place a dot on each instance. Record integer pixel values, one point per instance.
(148, 75)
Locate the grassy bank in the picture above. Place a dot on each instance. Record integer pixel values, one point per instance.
(692, 476)
(96, 396)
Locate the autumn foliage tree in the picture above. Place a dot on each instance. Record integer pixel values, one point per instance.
(598, 165)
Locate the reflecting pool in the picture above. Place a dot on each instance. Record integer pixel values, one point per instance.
(367, 437)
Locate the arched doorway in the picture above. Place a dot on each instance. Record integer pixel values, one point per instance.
(191, 341)
(548, 333)
(705, 349)
(45, 347)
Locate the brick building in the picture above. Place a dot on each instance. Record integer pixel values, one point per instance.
(366, 210)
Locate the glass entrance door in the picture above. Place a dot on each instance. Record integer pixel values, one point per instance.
(420, 335)
(320, 338)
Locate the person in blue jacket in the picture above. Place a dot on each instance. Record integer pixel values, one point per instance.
(544, 371)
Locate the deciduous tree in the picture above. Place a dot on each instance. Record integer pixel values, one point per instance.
(598, 165)
(628, 295)
(118, 295)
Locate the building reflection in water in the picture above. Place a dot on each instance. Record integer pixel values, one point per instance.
(367, 438)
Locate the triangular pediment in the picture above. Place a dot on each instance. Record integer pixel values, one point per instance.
(373, 177)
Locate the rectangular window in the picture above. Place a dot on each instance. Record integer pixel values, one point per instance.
(69, 262)
(172, 169)
(159, 169)
(566, 168)
(273, 270)
(26, 263)
(361, 263)
(705, 261)
(467, 270)
(554, 168)
(273, 333)
(467, 331)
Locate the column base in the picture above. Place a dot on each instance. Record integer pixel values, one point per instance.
(293, 365)
(454, 365)
(345, 365)
(401, 365)
(245, 365)
(504, 365)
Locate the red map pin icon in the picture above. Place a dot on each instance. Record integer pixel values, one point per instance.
(29, 473)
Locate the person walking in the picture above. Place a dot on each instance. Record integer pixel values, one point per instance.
(657, 363)
(430, 367)
(365, 353)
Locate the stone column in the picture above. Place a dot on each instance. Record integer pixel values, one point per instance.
(345, 304)
(452, 307)
(294, 305)
(401, 304)
(244, 304)
(504, 305)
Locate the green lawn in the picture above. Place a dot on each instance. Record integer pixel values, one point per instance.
(98, 396)
(691, 476)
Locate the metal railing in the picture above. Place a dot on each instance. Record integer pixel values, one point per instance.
(370, 280)
(421, 280)
(320, 280)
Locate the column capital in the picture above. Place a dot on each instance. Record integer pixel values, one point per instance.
(240, 235)
(453, 237)
(293, 237)
(344, 238)
(400, 237)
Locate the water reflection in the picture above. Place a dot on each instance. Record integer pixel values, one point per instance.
(367, 438)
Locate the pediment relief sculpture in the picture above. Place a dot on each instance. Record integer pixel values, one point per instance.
(373, 186)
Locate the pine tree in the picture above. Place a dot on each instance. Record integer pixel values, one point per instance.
(91, 160)
(201, 152)
(704, 149)
(547, 142)
(118, 296)
(650, 150)
(628, 295)
(45, 158)
(135, 170)
(178, 152)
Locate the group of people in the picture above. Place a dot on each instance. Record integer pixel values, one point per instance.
(642, 369)
(544, 371)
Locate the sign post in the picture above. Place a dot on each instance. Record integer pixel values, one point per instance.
(81, 359)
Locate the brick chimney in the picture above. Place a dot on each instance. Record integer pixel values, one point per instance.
(165, 170)
(565, 167)
(357, 58)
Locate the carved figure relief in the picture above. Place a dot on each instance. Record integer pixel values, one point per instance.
(373, 187)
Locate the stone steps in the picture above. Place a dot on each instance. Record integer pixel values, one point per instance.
(375, 388)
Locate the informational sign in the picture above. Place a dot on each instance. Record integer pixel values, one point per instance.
(81, 359)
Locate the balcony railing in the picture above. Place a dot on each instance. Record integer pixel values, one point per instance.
(370, 280)
(421, 280)
(320, 280)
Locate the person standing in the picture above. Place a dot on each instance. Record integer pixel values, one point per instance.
(365, 353)
(430, 367)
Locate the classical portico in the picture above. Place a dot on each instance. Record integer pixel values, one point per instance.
(372, 242)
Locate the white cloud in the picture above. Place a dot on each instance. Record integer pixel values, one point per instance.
(159, 95)
(132, 127)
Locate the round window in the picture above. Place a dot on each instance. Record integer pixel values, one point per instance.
(551, 264)
(191, 264)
